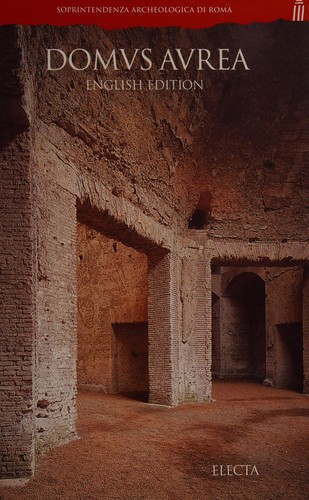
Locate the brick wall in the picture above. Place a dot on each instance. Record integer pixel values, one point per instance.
(17, 269)
(17, 316)
(56, 299)
(162, 330)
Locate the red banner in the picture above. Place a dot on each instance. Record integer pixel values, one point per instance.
(115, 14)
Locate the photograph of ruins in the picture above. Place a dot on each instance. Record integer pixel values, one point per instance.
(154, 242)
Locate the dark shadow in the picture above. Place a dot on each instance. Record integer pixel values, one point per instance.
(142, 396)
(202, 213)
(290, 353)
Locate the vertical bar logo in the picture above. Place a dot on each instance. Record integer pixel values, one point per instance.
(299, 11)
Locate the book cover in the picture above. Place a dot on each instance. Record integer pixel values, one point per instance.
(154, 250)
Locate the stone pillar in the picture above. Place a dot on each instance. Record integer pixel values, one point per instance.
(56, 380)
(203, 331)
(179, 314)
(163, 355)
(17, 302)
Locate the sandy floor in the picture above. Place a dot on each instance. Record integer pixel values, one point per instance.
(131, 450)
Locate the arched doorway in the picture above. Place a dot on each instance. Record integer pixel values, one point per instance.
(241, 328)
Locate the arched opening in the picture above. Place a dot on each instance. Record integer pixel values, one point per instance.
(202, 213)
(239, 337)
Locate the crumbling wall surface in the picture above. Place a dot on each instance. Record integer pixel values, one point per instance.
(258, 179)
(17, 270)
(187, 314)
(284, 320)
(242, 139)
(112, 289)
(131, 141)
(194, 317)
